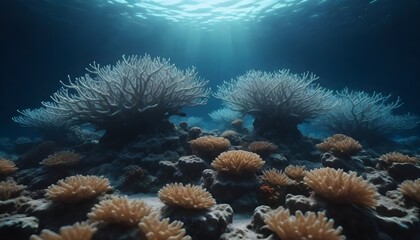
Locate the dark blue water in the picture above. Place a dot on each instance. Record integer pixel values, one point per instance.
(364, 46)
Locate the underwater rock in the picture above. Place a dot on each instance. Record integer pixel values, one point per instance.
(39, 178)
(187, 169)
(404, 171)
(54, 215)
(17, 227)
(302, 203)
(156, 144)
(239, 234)
(382, 181)
(396, 221)
(6, 145)
(347, 164)
(35, 155)
(258, 217)
(115, 232)
(277, 161)
(240, 191)
(207, 224)
(14, 205)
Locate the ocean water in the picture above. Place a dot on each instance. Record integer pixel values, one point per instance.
(370, 46)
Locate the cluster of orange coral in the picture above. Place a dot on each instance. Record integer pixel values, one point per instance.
(341, 187)
(262, 148)
(274, 177)
(209, 147)
(9, 189)
(238, 162)
(312, 225)
(411, 189)
(188, 196)
(62, 159)
(7, 167)
(78, 231)
(120, 210)
(396, 157)
(340, 145)
(296, 173)
(77, 188)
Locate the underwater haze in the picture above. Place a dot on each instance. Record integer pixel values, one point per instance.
(209, 119)
(363, 45)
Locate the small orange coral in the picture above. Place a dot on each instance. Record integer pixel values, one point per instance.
(295, 172)
(275, 177)
(238, 162)
(120, 211)
(411, 189)
(340, 187)
(9, 189)
(155, 229)
(188, 196)
(262, 148)
(396, 157)
(314, 226)
(77, 188)
(7, 166)
(62, 159)
(209, 146)
(340, 145)
(78, 231)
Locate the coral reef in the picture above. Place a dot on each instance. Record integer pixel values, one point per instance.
(340, 145)
(188, 196)
(209, 147)
(411, 189)
(78, 231)
(238, 162)
(155, 229)
(396, 157)
(120, 211)
(309, 226)
(340, 187)
(9, 189)
(366, 117)
(275, 177)
(278, 100)
(77, 188)
(7, 167)
(137, 94)
(62, 159)
(262, 148)
(296, 173)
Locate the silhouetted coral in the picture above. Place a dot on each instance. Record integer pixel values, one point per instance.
(340, 145)
(9, 189)
(62, 159)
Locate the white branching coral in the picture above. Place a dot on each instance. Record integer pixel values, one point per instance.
(275, 99)
(132, 91)
(366, 116)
